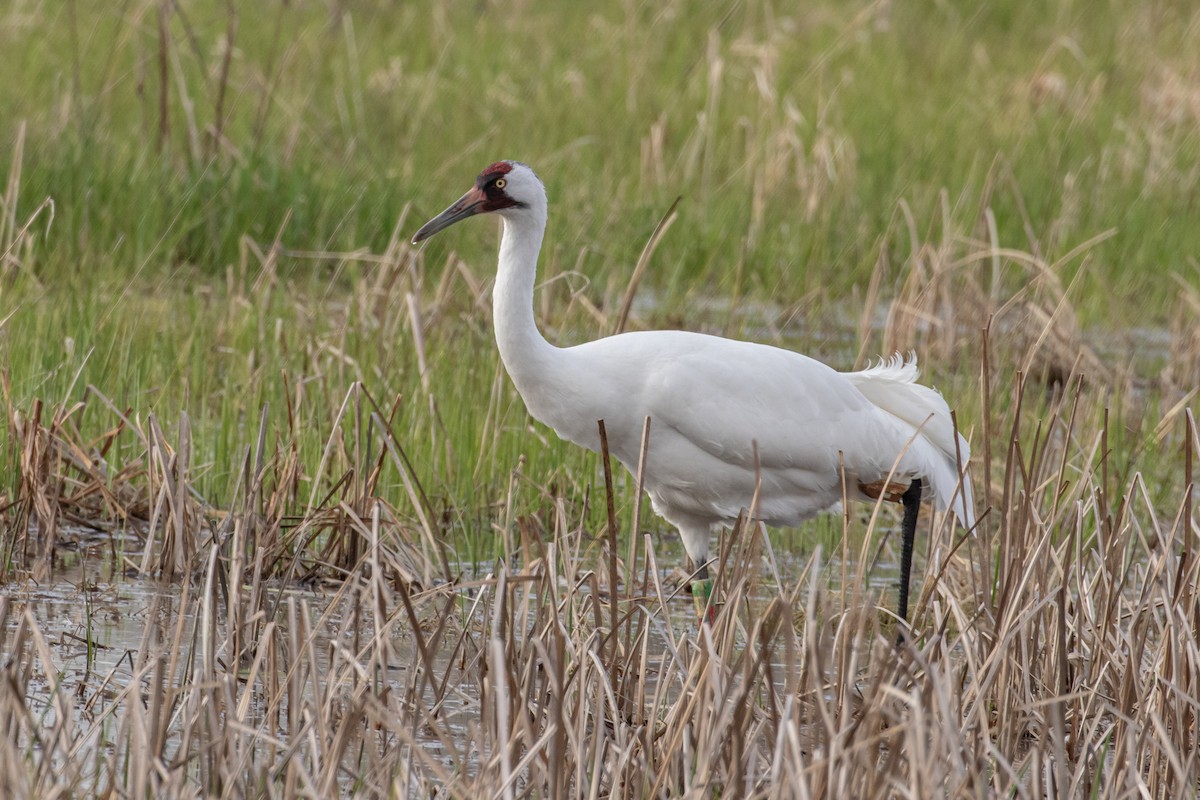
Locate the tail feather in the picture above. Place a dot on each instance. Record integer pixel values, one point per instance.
(891, 385)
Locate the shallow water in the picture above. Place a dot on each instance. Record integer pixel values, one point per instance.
(96, 623)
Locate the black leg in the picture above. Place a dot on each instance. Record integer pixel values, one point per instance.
(702, 573)
(912, 504)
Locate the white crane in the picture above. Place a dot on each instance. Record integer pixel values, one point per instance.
(713, 401)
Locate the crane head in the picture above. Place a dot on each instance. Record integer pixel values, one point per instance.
(506, 187)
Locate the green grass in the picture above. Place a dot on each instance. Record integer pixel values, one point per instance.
(798, 141)
(340, 119)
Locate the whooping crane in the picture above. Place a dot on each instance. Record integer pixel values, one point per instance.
(712, 401)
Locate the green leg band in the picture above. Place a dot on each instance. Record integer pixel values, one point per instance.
(701, 591)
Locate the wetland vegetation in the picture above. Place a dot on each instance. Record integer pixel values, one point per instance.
(276, 524)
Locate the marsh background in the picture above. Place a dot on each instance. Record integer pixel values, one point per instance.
(221, 357)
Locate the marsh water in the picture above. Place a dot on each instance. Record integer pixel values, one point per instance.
(96, 622)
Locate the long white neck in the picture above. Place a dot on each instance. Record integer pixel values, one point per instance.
(526, 354)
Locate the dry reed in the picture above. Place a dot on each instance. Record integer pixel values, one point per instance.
(1068, 666)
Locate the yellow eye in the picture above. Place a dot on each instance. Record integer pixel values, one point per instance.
(501, 183)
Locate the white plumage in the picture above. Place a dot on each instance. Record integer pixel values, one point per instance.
(711, 399)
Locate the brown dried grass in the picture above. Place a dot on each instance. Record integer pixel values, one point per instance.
(1054, 653)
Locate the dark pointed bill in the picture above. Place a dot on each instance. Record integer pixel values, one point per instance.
(466, 206)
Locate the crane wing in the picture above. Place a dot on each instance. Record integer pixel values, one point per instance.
(891, 386)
